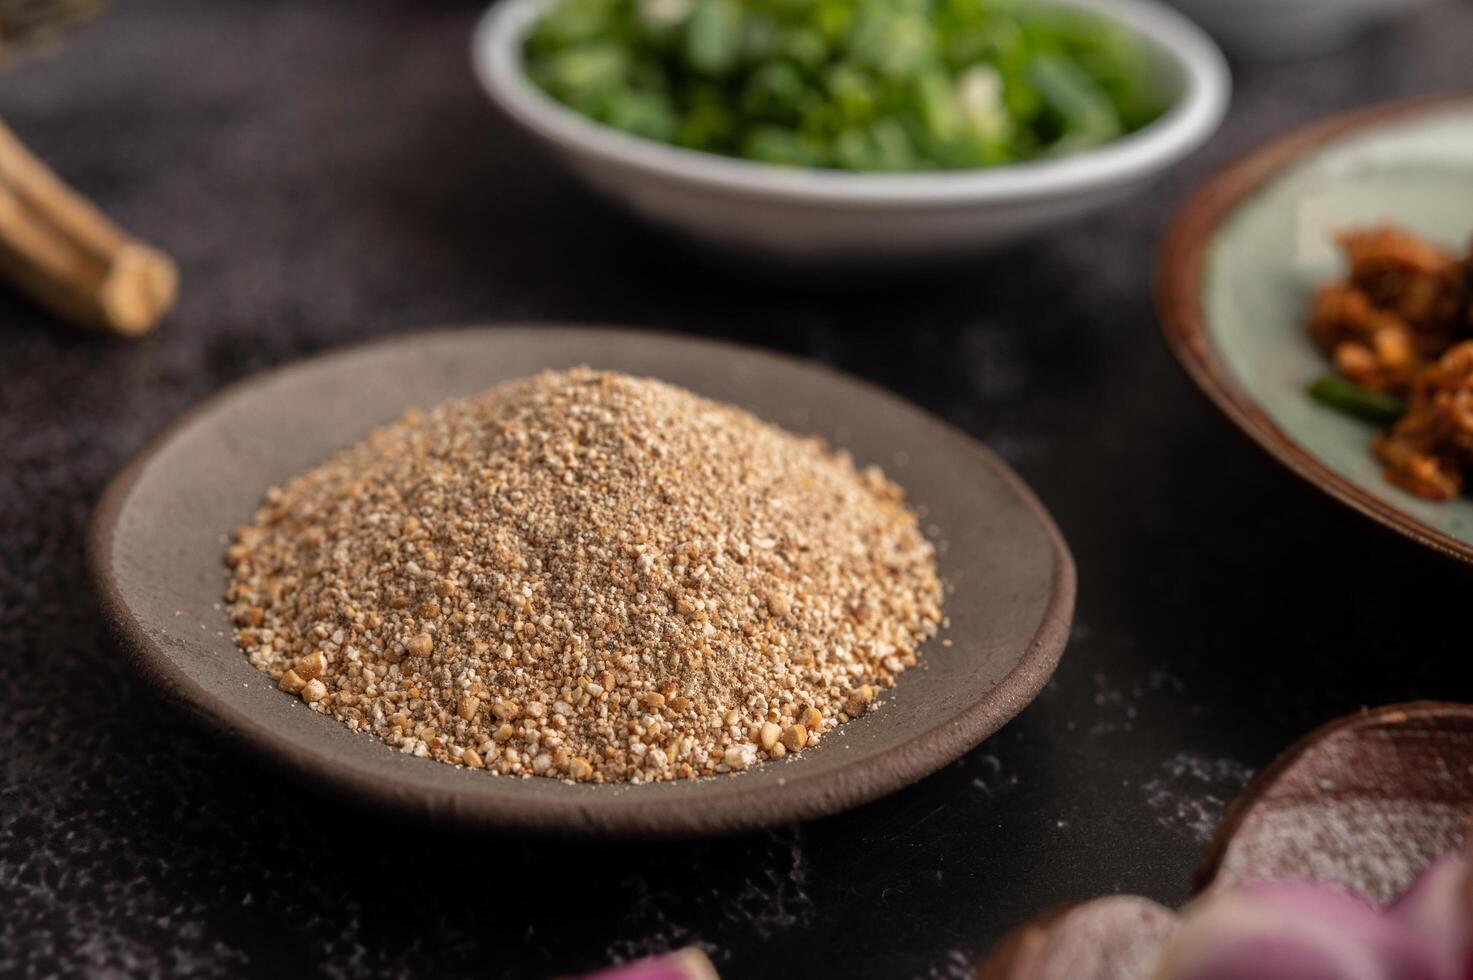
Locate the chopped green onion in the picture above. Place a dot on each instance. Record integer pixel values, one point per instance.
(713, 41)
(1081, 110)
(1353, 400)
(896, 85)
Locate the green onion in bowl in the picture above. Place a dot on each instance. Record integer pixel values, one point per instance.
(822, 212)
(865, 85)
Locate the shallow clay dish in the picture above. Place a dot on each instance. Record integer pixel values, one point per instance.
(1364, 804)
(1244, 256)
(160, 532)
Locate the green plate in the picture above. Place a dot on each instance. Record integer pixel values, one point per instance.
(1245, 255)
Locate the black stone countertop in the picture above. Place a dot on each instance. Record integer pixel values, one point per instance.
(329, 172)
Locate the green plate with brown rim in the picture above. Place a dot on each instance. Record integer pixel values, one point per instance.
(1244, 256)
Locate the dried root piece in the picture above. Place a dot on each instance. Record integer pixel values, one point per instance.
(56, 246)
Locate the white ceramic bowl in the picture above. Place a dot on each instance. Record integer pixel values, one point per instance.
(1289, 28)
(799, 213)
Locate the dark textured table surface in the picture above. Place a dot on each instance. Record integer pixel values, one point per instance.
(328, 172)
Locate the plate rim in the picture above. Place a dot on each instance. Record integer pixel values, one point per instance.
(1178, 295)
(824, 794)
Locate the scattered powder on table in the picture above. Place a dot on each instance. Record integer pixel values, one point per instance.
(586, 576)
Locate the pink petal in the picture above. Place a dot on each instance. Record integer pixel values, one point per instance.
(1286, 930)
(1438, 908)
(687, 964)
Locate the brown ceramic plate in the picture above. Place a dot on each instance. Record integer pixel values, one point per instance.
(1365, 803)
(160, 531)
(1242, 259)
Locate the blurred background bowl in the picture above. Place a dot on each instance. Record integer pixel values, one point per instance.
(793, 213)
(1288, 28)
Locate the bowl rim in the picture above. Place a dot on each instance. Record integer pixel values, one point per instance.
(1199, 109)
(619, 817)
(1179, 278)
